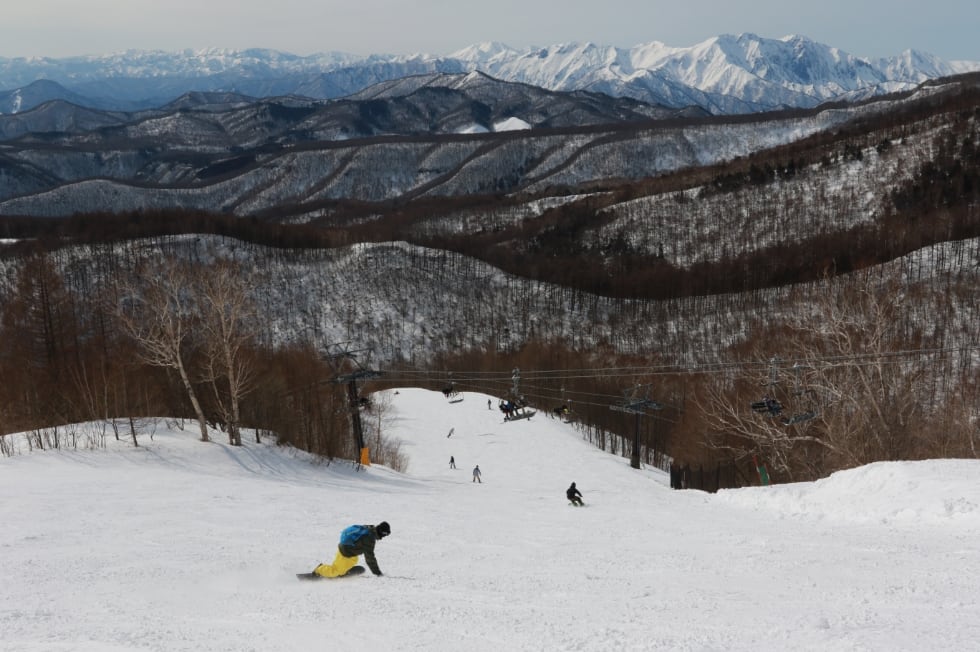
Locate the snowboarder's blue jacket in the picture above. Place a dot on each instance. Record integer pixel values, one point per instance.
(351, 534)
(359, 540)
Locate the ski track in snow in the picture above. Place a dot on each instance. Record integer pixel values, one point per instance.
(182, 545)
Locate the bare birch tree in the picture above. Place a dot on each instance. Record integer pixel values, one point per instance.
(228, 326)
(156, 307)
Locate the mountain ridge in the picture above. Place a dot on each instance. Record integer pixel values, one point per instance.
(725, 74)
(435, 136)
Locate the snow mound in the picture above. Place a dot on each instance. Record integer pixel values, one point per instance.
(932, 491)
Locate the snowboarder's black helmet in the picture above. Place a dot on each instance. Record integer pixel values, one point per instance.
(383, 529)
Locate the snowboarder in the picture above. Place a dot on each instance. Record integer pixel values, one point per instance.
(355, 540)
(574, 495)
(452, 462)
(477, 474)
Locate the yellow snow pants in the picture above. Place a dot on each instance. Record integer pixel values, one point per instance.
(340, 566)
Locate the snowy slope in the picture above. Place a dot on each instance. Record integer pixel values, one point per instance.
(181, 545)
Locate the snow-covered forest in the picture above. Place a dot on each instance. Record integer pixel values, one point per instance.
(836, 272)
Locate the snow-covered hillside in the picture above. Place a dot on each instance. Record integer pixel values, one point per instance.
(182, 545)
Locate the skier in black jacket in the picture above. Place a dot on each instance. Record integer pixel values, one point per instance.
(574, 495)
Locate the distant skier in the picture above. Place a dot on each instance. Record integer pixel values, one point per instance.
(574, 495)
(355, 540)
(452, 462)
(477, 474)
(489, 405)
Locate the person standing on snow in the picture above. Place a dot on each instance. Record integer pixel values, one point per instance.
(477, 474)
(355, 540)
(574, 495)
(452, 462)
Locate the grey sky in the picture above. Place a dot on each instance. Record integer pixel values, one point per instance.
(949, 29)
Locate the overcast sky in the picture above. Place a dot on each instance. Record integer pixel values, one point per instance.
(867, 28)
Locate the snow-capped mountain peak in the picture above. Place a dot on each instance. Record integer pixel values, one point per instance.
(483, 52)
(723, 74)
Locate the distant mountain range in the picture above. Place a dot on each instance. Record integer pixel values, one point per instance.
(722, 75)
(432, 136)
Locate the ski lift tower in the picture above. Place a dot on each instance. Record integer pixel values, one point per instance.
(636, 401)
(336, 361)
